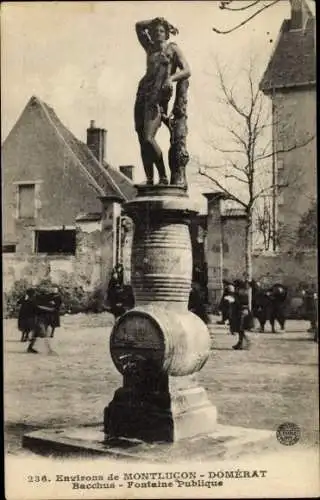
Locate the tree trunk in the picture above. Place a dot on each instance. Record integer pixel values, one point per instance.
(248, 256)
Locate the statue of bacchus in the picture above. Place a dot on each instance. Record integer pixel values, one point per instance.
(166, 68)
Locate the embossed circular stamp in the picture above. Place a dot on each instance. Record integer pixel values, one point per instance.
(288, 433)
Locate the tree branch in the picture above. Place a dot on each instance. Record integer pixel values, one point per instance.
(285, 150)
(269, 188)
(233, 176)
(243, 170)
(226, 151)
(213, 166)
(239, 138)
(228, 95)
(243, 23)
(258, 118)
(254, 93)
(224, 6)
(223, 189)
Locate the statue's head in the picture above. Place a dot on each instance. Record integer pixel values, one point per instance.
(160, 30)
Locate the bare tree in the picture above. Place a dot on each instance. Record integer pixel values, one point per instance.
(263, 222)
(307, 233)
(245, 174)
(252, 7)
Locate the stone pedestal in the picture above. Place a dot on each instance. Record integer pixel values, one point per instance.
(192, 412)
(159, 346)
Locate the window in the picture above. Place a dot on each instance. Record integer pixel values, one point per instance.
(280, 167)
(216, 248)
(9, 248)
(62, 241)
(280, 216)
(26, 201)
(225, 248)
(280, 198)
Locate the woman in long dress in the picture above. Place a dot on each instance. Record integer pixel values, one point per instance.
(165, 66)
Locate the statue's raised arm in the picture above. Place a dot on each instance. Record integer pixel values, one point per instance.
(143, 34)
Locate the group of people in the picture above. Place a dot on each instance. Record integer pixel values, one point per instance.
(39, 316)
(39, 309)
(39, 313)
(268, 304)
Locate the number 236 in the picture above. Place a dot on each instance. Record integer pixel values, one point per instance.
(37, 479)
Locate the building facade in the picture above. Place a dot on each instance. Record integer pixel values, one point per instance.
(61, 201)
(290, 82)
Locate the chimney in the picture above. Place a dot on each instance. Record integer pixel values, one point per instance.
(296, 15)
(127, 170)
(96, 141)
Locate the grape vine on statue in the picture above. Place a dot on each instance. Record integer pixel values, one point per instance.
(166, 65)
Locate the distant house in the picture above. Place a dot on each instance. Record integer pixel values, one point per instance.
(61, 200)
(290, 82)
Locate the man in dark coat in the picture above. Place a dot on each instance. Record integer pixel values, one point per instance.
(113, 294)
(56, 301)
(26, 314)
(310, 302)
(120, 297)
(278, 306)
(224, 305)
(261, 303)
(197, 303)
(128, 297)
(229, 300)
(240, 319)
(120, 273)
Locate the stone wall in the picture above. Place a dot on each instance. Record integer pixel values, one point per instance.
(32, 268)
(287, 268)
(295, 125)
(224, 247)
(233, 247)
(214, 251)
(107, 246)
(84, 268)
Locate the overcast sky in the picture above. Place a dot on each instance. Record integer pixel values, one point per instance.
(83, 59)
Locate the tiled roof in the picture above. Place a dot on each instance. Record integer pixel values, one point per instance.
(125, 184)
(107, 179)
(293, 62)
